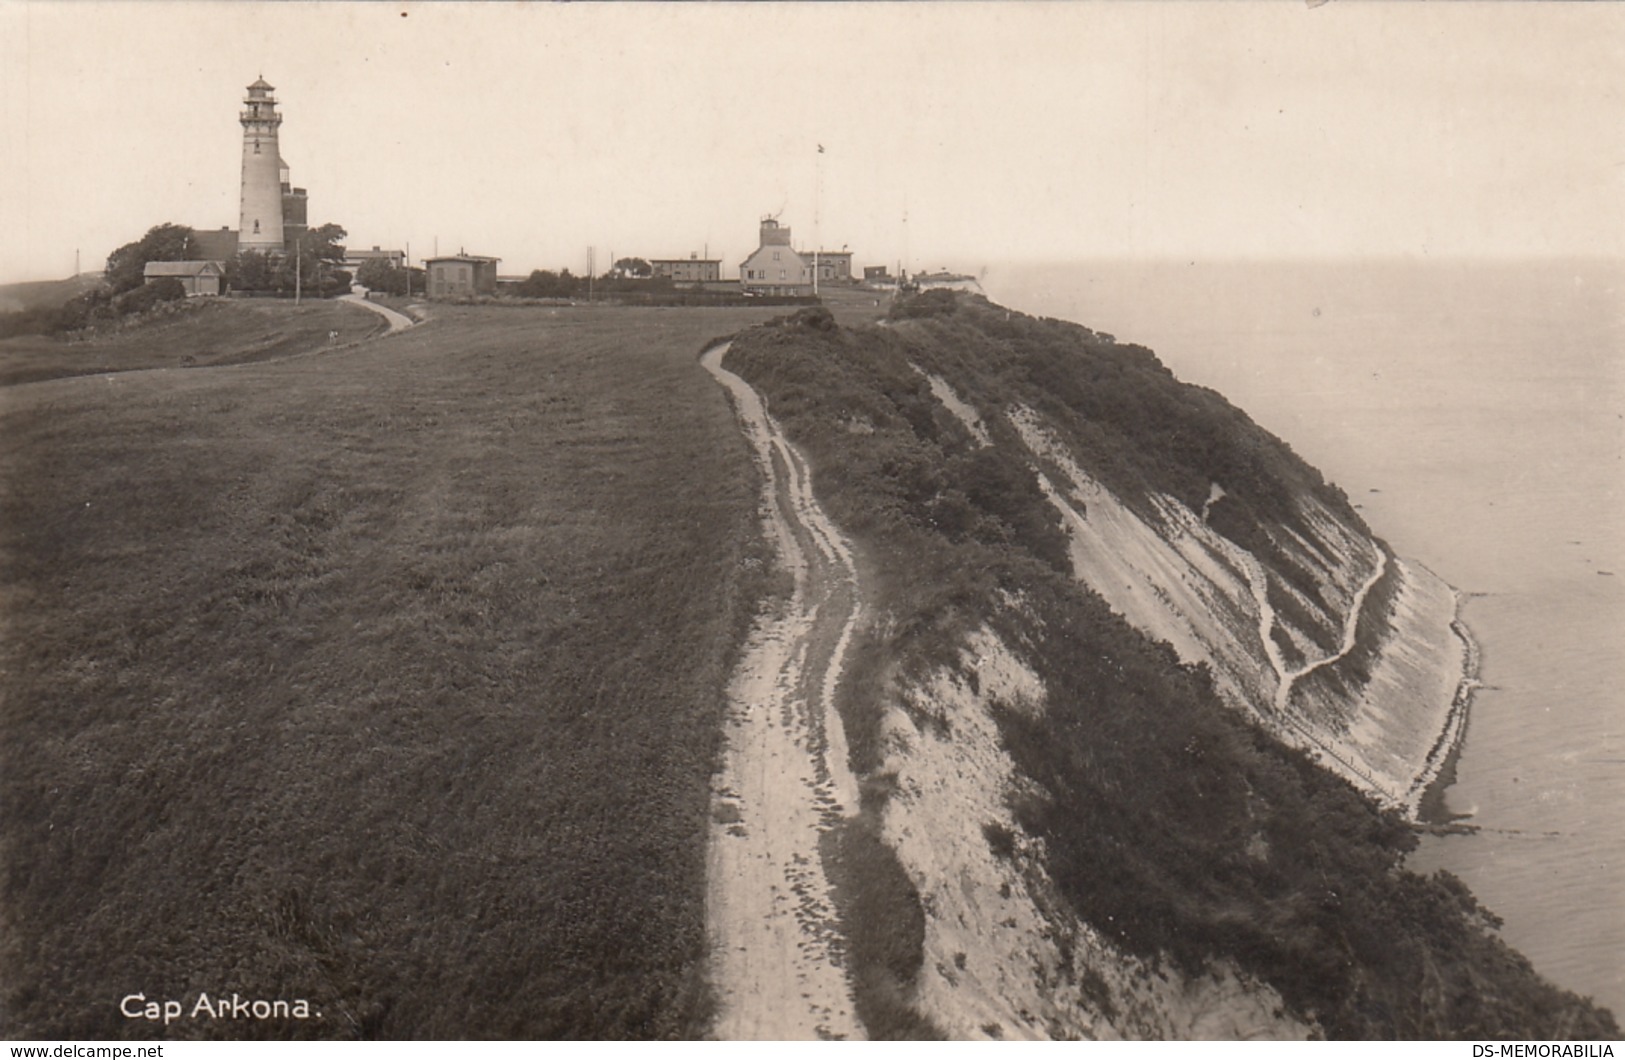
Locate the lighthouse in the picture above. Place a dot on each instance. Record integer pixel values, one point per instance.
(260, 224)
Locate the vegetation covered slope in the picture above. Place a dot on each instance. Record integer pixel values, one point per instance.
(1171, 825)
(199, 332)
(389, 679)
(45, 294)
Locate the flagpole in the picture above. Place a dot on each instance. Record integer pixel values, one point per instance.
(818, 196)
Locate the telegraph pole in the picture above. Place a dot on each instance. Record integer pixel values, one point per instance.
(298, 263)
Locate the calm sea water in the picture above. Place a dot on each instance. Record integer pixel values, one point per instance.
(1476, 413)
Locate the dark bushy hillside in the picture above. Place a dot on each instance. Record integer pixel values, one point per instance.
(1132, 423)
(1170, 823)
(98, 307)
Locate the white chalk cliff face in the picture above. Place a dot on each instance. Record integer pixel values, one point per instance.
(1330, 642)
(1005, 957)
(1325, 638)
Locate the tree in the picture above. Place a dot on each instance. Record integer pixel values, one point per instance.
(324, 244)
(542, 283)
(126, 266)
(250, 270)
(632, 268)
(379, 274)
(311, 262)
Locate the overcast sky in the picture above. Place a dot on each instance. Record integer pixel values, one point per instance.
(1002, 132)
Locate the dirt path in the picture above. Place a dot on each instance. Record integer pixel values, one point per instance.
(1288, 677)
(1351, 628)
(397, 321)
(778, 955)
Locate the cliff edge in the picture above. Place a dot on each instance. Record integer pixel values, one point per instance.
(1139, 708)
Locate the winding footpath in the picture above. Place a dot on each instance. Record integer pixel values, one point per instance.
(1351, 627)
(778, 956)
(397, 321)
(1287, 677)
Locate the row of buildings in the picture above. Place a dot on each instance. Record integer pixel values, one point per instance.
(273, 216)
(775, 268)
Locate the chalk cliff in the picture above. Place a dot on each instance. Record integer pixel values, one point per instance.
(1140, 709)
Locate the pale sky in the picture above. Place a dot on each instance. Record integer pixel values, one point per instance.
(1004, 132)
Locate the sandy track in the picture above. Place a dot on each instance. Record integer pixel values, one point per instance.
(778, 960)
(1351, 627)
(397, 321)
(1283, 712)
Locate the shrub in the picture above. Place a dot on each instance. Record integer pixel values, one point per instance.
(143, 298)
(814, 318)
(85, 310)
(884, 925)
(939, 301)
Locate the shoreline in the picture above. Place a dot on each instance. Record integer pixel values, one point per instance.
(1427, 796)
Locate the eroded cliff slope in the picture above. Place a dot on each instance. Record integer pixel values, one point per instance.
(1138, 705)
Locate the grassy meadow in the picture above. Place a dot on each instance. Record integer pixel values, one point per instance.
(388, 679)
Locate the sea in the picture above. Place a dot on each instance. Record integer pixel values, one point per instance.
(1475, 412)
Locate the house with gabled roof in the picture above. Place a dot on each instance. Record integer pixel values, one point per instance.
(198, 277)
(775, 269)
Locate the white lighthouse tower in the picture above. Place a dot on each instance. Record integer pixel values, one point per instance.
(260, 225)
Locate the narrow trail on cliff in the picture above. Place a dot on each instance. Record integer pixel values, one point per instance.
(1351, 627)
(778, 956)
(1287, 677)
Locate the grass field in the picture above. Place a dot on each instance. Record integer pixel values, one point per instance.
(197, 333)
(387, 678)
